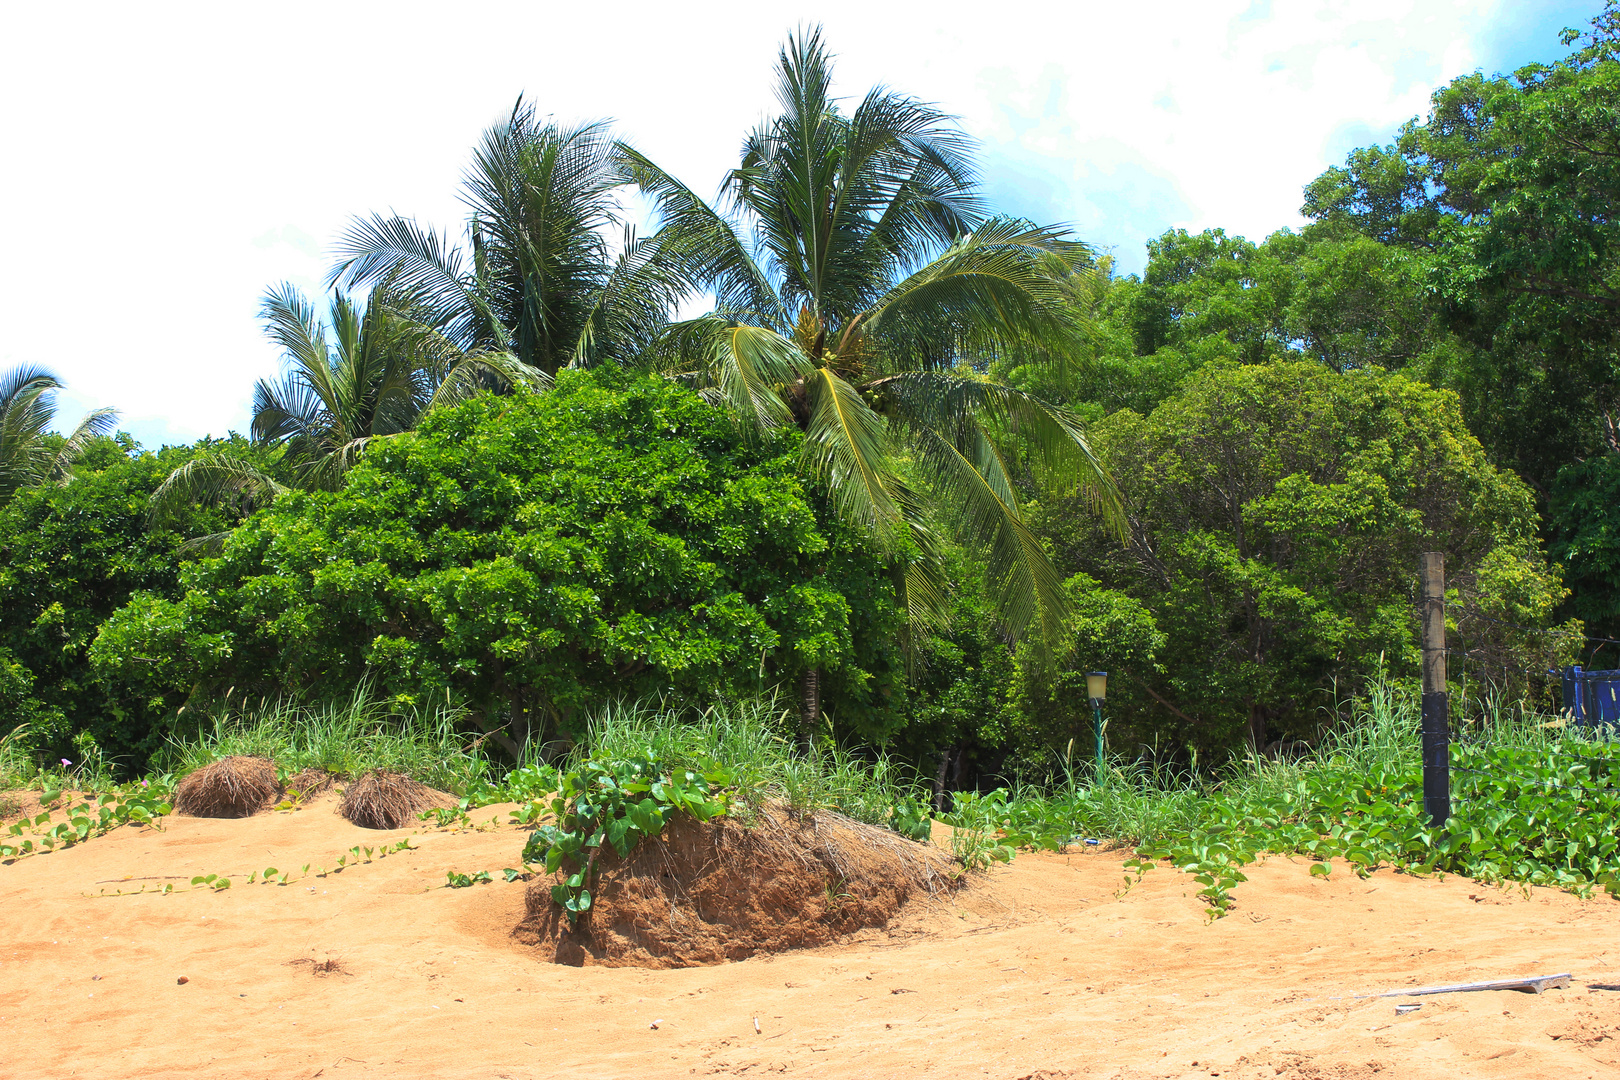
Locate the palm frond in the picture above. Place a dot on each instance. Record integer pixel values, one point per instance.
(847, 448)
(26, 411)
(1052, 439)
(477, 373)
(703, 246)
(96, 424)
(634, 303)
(286, 412)
(924, 589)
(748, 367)
(414, 260)
(1003, 288)
(1025, 587)
(211, 544)
(326, 472)
(209, 480)
(542, 199)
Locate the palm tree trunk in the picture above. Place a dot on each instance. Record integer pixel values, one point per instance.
(810, 707)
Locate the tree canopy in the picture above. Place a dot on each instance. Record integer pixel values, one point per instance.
(536, 555)
(1276, 513)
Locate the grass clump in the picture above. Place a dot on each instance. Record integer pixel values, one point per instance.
(753, 740)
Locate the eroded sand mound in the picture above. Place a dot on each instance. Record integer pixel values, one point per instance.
(232, 787)
(726, 890)
(387, 800)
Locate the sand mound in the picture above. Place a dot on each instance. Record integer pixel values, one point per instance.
(708, 893)
(387, 800)
(232, 787)
(309, 783)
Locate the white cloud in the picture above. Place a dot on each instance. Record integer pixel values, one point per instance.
(163, 169)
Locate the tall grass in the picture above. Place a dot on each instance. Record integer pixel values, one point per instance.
(754, 738)
(347, 737)
(17, 765)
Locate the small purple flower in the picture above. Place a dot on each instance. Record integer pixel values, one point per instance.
(143, 783)
(65, 761)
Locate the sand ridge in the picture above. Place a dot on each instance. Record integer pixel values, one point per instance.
(1045, 968)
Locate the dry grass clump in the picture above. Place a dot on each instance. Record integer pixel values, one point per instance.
(387, 800)
(310, 782)
(231, 787)
(332, 965)
(707, 893)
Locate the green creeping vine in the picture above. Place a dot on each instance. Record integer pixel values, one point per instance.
(355, 856)
(1533, 816)
(911, 818)
(530, 785)
(617, 802)
(142, 803)
(454, 880)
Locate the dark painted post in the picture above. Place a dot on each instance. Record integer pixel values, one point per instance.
(1436, 731)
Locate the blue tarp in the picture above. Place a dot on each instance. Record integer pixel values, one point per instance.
(1592, 697)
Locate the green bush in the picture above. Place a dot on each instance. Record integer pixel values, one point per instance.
(535, 556)
(1277, 515)
(70, 555)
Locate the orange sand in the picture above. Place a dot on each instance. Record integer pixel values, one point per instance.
(1038, 970)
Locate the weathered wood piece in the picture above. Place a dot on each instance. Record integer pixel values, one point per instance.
(1533, 983)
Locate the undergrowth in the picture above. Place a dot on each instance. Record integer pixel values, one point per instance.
(346, 737)
(1533, 801)
(640, 764)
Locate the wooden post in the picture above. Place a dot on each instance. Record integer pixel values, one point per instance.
(1436, 731)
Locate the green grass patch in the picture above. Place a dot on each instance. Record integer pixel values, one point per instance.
(347, 737)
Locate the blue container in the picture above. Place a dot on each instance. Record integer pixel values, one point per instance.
(1592, 697)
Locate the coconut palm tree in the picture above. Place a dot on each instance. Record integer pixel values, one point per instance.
(364, 373)
(27, 408)
(537, 277)
(861, 293)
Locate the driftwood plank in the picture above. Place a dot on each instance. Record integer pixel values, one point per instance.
(1533, 983)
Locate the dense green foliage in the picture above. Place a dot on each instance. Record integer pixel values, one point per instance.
(535, 555)
(1277, 512)
(70, 555)
(923, 407)
(1505, 200)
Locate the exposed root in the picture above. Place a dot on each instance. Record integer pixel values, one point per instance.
(707, 893)
(387, 800)
(231, 787)
(310, 783)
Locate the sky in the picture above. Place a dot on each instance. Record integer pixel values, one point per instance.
(162, 164)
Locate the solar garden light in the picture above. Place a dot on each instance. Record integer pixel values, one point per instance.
(1097, 690)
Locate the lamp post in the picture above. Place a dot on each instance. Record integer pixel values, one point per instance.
(1097, 689)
